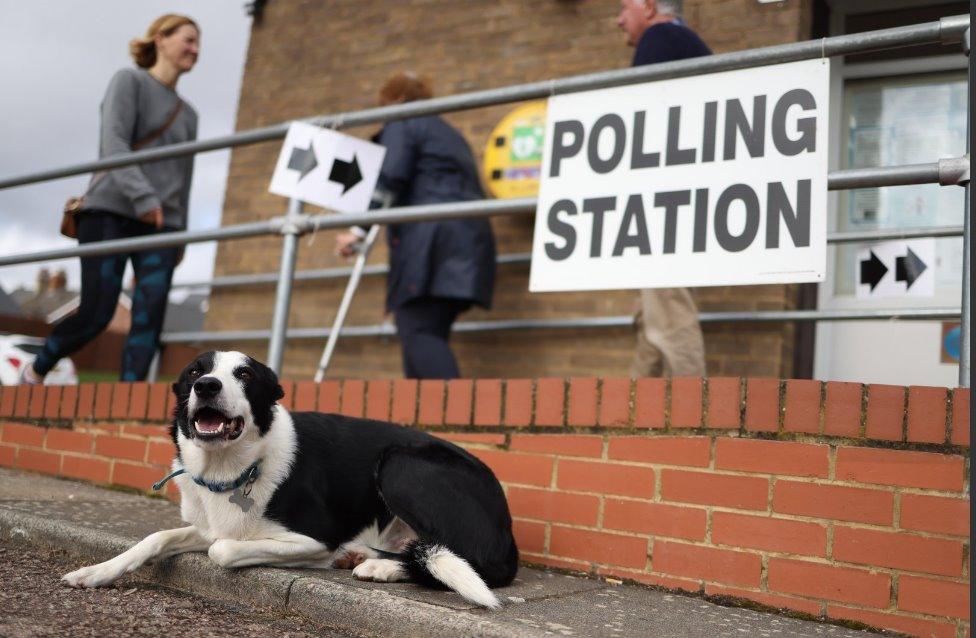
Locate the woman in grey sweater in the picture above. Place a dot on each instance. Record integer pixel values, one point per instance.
(141, 109)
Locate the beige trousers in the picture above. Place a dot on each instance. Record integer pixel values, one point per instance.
(669, 338)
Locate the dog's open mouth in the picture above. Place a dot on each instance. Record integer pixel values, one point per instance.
(212, 424)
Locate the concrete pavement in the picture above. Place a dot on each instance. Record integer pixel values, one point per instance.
(97, 523)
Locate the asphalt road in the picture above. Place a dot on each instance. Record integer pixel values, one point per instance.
(33, 602)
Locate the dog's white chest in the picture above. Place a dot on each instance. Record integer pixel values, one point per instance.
(224, 515)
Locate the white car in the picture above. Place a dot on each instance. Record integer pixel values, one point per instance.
(16, 351)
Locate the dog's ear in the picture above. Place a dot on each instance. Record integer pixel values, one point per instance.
(269, 379)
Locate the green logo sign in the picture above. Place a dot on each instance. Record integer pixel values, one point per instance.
(527, 143)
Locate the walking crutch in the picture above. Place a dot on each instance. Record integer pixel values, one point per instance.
(357, 271)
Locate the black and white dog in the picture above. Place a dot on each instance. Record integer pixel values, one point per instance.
(262, 486)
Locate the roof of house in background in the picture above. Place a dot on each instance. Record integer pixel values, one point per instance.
(8, 305)
(43, 304)
(186, 315)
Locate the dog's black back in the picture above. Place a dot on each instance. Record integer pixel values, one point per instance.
(349, 473)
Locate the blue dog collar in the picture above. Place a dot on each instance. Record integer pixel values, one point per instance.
(250, 474)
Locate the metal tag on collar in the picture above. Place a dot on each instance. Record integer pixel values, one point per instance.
(241, 496)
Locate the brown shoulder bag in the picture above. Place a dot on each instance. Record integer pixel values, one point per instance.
(69, 225)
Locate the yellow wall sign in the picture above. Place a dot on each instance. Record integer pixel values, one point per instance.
(513, 155)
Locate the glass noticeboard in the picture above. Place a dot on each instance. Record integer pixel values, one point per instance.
(894, 121)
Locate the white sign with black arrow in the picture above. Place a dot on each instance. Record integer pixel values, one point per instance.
(326, 168)
(900, 268)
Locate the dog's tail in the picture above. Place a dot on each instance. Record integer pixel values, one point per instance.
(447, 568)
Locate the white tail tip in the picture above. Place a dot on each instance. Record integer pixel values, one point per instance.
(456, 573)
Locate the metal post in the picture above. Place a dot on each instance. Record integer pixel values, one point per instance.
(286, 273)
(153, 373)
(354, 277)
(964, 332)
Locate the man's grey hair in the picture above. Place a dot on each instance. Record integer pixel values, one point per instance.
(667, 7)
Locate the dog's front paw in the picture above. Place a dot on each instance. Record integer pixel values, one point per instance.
(94, 575)
(381, 570)
(222, 552)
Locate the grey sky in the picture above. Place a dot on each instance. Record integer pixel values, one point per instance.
(56, 58)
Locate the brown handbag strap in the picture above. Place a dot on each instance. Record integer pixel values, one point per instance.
(146, 140)
(162, 129)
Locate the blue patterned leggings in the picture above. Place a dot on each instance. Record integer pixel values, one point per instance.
(101, 283)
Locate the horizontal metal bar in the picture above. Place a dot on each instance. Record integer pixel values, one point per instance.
(306, 223)
(161, 240)
(888, 176)
(864, 177)
(909, 314)
(319, 274)
(948, 29)
(859, 236)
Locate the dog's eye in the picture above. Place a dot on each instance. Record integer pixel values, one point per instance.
(194, 373)
(244, 374)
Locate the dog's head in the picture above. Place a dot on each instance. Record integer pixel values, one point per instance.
(222, 394)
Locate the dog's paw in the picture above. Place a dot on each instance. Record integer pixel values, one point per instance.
(381, 570)
(222, 552)
(348, 560)
(93, 575)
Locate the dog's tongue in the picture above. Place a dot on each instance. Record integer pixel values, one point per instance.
(209, 423)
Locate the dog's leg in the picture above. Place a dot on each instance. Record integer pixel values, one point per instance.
(156, 545)
(348, 557)
(281, 549)
(381, 570)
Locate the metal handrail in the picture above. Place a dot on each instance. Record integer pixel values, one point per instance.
(615, 321)
(946, 30)
(933, 172)
(320, 274)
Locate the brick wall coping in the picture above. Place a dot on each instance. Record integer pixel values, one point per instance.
(874, 414)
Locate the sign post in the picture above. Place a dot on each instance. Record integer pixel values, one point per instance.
(334, 171)
(711, 180)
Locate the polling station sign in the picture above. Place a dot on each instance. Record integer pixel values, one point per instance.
(716, 179)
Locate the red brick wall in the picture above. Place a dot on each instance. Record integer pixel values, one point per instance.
(837, 500)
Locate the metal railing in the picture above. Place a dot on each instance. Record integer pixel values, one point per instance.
(952, 171)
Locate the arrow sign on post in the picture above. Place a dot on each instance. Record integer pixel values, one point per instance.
(909, 268)
(327, 168)
(346, 173)
(302, 160)
(873, 271)
(908, 261)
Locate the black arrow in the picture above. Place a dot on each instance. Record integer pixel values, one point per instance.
(872, 270)
(909, 268)
(302, 160)
(346, 173)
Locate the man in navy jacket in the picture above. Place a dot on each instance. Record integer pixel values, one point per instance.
(669, 337)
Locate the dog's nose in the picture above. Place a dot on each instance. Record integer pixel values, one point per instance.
(207, 387)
